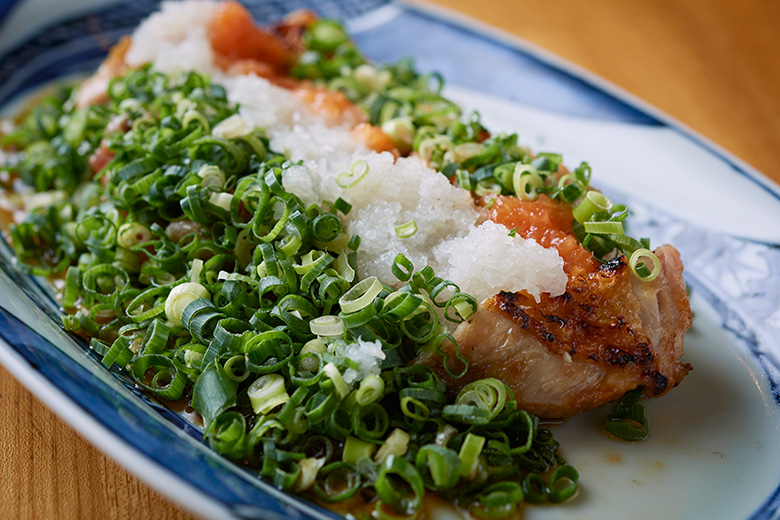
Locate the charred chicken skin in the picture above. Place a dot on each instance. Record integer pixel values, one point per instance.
(607, 334)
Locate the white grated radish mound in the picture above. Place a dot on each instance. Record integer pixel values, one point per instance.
(487, 260)
(262, 104)
(174, 38)
(316, 142)
(390, 194)
(481, 259)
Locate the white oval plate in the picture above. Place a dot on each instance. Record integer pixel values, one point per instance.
(714, 440)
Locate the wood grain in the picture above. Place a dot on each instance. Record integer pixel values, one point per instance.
(713, 66)
(48, 471)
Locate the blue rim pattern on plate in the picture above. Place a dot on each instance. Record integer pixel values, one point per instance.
(555, 86)
(6, 8)
(77, 45)
(712, 261)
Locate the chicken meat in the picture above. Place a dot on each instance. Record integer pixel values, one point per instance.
(609, 333)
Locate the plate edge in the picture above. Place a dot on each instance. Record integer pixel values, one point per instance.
(89, 428)
(566, 66)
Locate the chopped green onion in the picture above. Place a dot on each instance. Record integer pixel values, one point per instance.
(640, 269)
(404, 494)
(371, 389)
(211, 175)
(327, 326)
(563, 483)
(181, 296)
(469, 454)
(534, 489)
(445, 435)
(325, 35)
(486, 187)
(333, 373)
(396, 444)
(227, 434)
(213, 393)
(361, 295)
(230, 371)
(526, 182)
(131, 234)
(104, 282)
(594, 202)
(267, 392)
(499, 500)
(168, 381)
(488, 394)
(603, 227)
(356, 449)
(438, 466)
(72, 287)
(464, 304)
(464, 363)
(314, 345)
(370, 421)
(414, 409)
(406, 230)
(337, 482)
(230, 128)
(118, 353)
(221, 200)
(351, 178)
(310, 467)
(402, 268)
(628, 421)
(319, 406)
(400, 130)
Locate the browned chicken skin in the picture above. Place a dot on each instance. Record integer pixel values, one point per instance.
(607, 334)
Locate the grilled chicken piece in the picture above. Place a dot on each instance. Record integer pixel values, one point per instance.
(235, 37)
(292, 27)
(94, 91)
(607, 334)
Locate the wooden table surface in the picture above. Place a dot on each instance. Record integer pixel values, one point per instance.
(713, 65)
